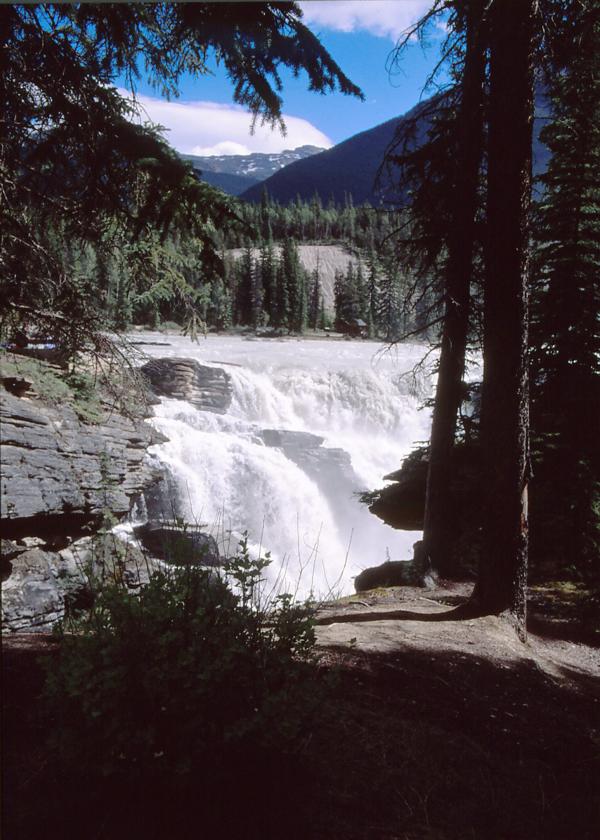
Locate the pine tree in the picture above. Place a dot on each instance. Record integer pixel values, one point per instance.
(244, 286)
(315, 298)
(268, 273)
(439, 527)
(292, 275)
(389, 311)
(565, 330)
(502, 575)
(372, 296)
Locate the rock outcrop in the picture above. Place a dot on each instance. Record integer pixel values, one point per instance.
(206, 388)
(415, 572)
(402, 504)
(44, 586)
(61, 478)
(177, 545)
(59, 473)
(330, 468)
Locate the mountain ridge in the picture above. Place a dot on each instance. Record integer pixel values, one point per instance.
(236, 173)
(351, 167)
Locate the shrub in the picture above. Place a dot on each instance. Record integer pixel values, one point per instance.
(191, 687)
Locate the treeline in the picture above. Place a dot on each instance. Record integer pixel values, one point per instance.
(154, 280)
(267, 285)
(363, 227)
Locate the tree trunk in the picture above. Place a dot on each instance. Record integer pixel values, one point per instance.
(501, 586)
(439, 522)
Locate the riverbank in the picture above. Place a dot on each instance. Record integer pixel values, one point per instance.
(449, 730)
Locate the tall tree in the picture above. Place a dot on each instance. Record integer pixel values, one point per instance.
(505, 412)
(316, 296)
(565, 335)
(440, 516)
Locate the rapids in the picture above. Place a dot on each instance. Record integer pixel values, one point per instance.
(354, 395)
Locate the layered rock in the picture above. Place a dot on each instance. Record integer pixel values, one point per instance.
(55, 466)
(206, 388)
(61, 478)
(330, 468)
(44, 586)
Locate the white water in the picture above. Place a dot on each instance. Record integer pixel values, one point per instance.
(349, 393)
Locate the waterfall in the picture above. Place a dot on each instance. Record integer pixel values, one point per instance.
(346, 415)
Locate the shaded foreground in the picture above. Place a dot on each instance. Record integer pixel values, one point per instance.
(435, 729)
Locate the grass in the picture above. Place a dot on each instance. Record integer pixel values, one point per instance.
(55, 385)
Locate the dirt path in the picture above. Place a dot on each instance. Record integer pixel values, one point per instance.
(404, 619)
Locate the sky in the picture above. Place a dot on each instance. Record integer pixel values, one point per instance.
(360, 35)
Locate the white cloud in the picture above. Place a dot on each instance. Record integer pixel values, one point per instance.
(209, 128)
(226, 147)
(386, 18)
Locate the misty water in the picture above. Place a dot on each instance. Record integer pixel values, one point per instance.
(296, 500)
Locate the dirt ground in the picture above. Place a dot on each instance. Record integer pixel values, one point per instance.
(563, 641)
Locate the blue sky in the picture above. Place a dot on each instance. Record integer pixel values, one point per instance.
(360, 35)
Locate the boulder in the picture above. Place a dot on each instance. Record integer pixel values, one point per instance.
(206, 388)
(415, 572)
(178, 545)
(294, 440)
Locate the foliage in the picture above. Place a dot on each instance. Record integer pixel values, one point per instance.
(565, 334)
(74, 386)
(78, 168)
(190, 678)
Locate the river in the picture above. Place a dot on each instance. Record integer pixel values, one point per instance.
(296, 499)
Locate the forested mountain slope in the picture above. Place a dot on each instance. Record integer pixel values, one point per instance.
(351, 167)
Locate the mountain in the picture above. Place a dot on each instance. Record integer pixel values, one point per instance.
(349, 167)
(236, 173)
(229, 182)
(352, 166)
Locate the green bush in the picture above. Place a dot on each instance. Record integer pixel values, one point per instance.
(191, 685)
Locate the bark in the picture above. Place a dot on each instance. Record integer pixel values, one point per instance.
(439, 524)
(505, 412)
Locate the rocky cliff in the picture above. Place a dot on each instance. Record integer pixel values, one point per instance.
(60, 477)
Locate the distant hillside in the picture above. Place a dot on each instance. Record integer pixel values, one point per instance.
(351, 166)
(329, 258)
(228, 182)
(236, 173)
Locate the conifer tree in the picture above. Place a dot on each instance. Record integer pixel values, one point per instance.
(502, 578)
(389, 312)
(316, 296)
(73, 158)
(244, 286)
(372, 296)
(565, 334)
(268, 273)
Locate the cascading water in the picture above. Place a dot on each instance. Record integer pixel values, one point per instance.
(294, 495)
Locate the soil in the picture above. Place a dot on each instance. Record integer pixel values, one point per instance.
(435, 728)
